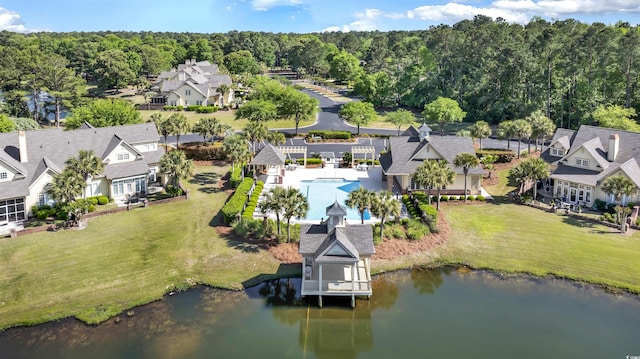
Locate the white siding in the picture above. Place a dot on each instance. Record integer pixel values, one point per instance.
(9, 172)
(120, 154)
(582, 155)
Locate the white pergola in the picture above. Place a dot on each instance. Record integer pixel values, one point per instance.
(294, 149)
(364, 150)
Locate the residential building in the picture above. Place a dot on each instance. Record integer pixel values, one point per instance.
(408, 151)
(193, 83)
(336, 257)
(581, 160)
(30, 159)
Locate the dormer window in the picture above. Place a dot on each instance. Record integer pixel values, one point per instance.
(123, 156)
(582, 162)
(559, 152)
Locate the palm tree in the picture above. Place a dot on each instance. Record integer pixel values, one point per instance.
(505, 130)
(620, 187)
(178, 125)
(163, 126)
(176, 166)
(295, 204)
(87, 164)
(424, 176)
(274, 202)
(276, 138)
(541, 126)
(466, 160)
(361, 199)
(208, 127)
(522, 129)
(480, 130)
(535, 169)
(487, 162)
(383, 206)
(236, 149)
(222, 90)
(65, 186)
(443, 176)
(255, 132)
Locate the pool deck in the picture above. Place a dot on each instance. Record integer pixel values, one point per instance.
(370, 179)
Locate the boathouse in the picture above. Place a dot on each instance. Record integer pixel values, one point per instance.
(336, 257)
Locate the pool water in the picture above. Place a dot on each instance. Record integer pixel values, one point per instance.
(321, 193)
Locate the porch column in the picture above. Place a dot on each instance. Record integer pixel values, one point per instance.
(304, 260)
(320, 278)
(353, 277)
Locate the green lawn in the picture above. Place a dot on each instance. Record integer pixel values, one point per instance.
(123, 260)
(130, 258)
(224, 117)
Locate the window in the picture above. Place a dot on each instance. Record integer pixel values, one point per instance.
(123, 156)
(582, 162)
(12, 210)
(187, 92)
(129, 185)
(199, 102)
(557, 152)
(150, 146)
(3, 175)
(173, 103)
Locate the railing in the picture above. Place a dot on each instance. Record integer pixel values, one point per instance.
(330, 286)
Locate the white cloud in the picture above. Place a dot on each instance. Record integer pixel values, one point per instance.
(514, 11)
(11, 21)
(453, 12)
(264, 5)
(368, 20)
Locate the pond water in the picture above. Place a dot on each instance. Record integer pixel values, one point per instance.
(440, 314)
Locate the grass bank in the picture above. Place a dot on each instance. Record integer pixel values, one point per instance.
(125, 259)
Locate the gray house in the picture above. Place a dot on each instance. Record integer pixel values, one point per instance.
(30, 159)
(581, 160)
(408, 151)
(336, 257)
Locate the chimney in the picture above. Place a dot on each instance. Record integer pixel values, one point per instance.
(22, 144)
(614, 147)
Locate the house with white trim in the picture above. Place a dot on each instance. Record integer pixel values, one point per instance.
(408, 151)
(581, 160)
(30, 159)
(193, 83)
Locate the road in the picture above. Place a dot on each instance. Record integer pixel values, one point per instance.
(328, 119)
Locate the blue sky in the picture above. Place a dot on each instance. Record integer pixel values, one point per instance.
(292, 15)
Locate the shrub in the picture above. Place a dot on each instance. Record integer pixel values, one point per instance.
(93, 200)
(608, 217)
(392, 230)
(102, 200)
(62, 214)
(471, 198)
(173, 191)
(249, 227)
(503, 156)
(207, 109)
(234, 205)
(600, 205)
(205, 153)
(310, 161)
(235, 177)
(416, 230)
(327, 134)
(444, 198)
(480, 198)
(192, 107)
(91, 208)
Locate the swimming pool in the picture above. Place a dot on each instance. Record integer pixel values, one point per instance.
(322, 192)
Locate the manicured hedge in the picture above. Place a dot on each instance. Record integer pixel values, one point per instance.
(310, 161)
(253, 201)
(327, 134)
(235, 177)
(504, 156)
(234, 205)
(205, 153)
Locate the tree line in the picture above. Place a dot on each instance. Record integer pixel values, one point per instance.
(495, 70)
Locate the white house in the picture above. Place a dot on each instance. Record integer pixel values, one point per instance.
(193, 83)
(30, 159)
(581, 160)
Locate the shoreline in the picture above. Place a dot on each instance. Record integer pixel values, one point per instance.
(460, 267)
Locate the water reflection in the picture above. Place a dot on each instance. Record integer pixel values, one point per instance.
(493, 316)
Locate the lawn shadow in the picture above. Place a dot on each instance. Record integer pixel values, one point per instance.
(206, 178)
(579, 222)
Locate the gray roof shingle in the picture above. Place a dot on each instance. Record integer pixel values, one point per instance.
(269, 156)
(314, 237)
